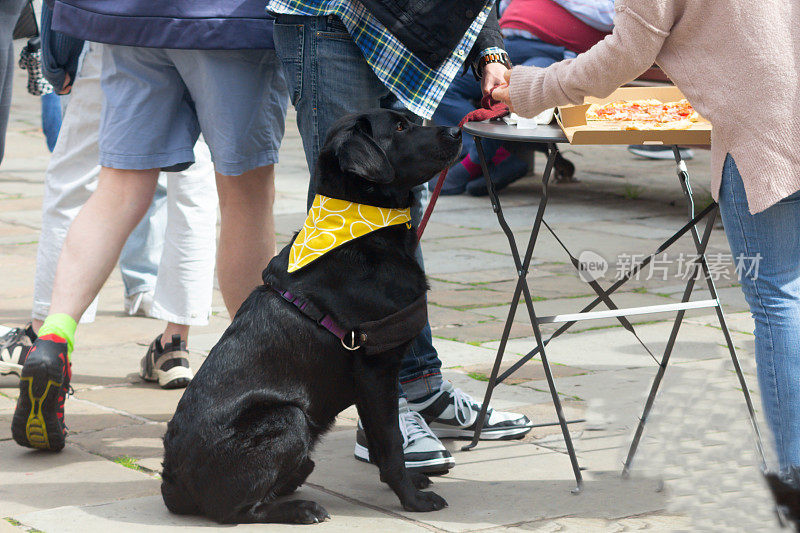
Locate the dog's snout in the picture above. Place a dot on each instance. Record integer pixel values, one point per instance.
(454, 132)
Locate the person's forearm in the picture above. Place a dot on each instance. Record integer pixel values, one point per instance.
(60, 53)
(619, 58)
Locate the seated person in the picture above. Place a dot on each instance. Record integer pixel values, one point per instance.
(538, 33)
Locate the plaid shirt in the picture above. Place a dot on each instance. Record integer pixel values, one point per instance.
(416, 85)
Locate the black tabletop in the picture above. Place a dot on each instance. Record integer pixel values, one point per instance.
(497, 129)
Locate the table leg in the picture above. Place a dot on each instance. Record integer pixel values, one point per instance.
(662, 367)
(683, 176)
(701, 264)
(522, 288)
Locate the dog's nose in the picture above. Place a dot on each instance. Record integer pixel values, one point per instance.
(454, 132)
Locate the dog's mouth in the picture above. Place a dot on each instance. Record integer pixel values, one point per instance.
(448, 155)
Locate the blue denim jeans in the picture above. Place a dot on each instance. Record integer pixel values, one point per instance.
(771, 285)
(138, 262)
(459, 98)
(51, 118)
(328, 78)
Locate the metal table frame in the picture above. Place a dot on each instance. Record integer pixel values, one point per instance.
(551, 135)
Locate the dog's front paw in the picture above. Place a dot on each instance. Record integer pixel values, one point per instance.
(422, 502)
(420, 480)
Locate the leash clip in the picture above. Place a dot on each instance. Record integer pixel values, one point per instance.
(352, 339)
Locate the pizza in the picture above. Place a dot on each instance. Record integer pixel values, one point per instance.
(648, 114)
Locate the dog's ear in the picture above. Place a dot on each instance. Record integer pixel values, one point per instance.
(358, 153)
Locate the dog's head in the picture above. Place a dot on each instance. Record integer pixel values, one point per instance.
(377, 157)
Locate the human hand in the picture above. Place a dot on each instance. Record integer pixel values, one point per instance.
(492, 76)
(502, 93)
(67, 85)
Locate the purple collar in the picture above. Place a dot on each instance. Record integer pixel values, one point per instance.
(375, 337)
(326, 321)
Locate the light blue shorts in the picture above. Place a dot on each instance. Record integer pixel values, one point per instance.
(158, 101)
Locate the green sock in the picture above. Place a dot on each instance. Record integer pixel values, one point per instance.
(60, 324)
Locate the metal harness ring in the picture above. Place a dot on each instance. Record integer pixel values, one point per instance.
(352, 346)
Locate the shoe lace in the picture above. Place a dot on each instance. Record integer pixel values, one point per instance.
(465, 406)
(413, 427)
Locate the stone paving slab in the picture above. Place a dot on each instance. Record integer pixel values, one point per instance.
(513, 480)
(141, 442)
(141, 399)
(34, 480)
(149, 514)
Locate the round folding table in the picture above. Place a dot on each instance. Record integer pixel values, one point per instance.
(552, 135)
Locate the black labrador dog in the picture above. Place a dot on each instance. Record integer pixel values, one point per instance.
(243, 432)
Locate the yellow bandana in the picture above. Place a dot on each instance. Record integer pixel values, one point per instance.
(331, 223)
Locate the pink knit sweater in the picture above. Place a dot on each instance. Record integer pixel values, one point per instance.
(737, 61)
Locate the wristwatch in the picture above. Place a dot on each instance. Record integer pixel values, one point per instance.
(492, 57)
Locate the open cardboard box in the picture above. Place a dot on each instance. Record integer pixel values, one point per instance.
(572, 120)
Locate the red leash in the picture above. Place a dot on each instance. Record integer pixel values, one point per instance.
(491, 109)
(431, 204)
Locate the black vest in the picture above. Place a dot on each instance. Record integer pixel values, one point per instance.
(431, 29)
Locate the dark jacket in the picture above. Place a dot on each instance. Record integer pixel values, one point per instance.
(190, 24)
(431, 29)
(60, 53)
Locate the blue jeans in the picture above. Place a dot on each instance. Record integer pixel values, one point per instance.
(459, 98)
(328, 78)
(138, 262)
(772, 289)
(51, 118)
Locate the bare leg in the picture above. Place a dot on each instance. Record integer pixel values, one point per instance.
(175, 329)
(96, 237)
(247, 232)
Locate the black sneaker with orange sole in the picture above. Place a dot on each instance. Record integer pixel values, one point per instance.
(43, 387)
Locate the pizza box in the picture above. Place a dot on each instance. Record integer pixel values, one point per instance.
(572, 120)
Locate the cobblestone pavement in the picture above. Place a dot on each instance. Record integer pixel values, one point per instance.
(696, 468)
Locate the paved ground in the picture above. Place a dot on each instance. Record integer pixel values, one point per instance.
(696, 467)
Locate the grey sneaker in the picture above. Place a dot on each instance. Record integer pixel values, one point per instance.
(452, 413)
(422, 450)
(169, 365)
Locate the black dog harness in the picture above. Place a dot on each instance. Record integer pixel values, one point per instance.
(373, 337)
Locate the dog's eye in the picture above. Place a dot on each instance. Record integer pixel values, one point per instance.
(400, 126)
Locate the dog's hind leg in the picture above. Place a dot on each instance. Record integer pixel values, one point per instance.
(292, 482)
(283, 512)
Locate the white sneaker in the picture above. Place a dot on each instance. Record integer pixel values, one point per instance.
(452, 413)
(15, 343)
(139, 304)
(422, 450)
